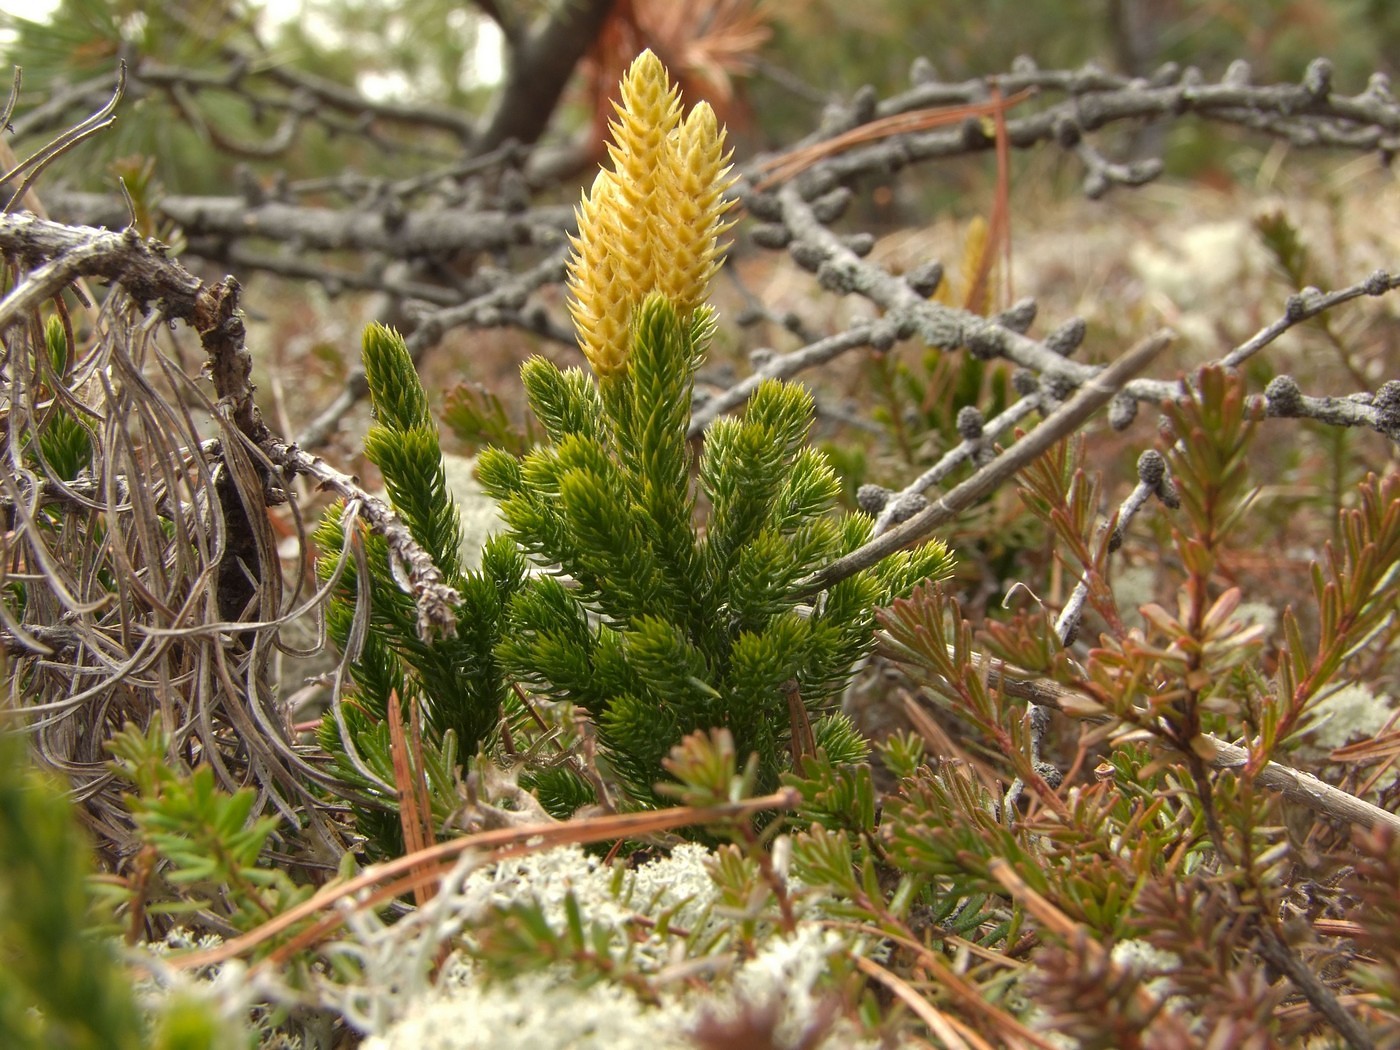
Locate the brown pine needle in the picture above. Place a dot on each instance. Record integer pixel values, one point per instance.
(786, 165)
(1053, 919)
(415, 808)
(1012, 1030)
(435, 861)
(939, 1024)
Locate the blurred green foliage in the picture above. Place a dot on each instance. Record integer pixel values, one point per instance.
(234, 101)
(59, 987)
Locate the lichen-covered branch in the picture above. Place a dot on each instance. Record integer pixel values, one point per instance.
(1065, 420)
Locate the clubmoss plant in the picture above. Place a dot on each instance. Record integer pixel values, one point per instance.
(58, 986)
(673, 601)
(453, 678)
(64, 443)
(670, 596)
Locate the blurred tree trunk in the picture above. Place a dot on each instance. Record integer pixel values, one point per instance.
(1134, 29)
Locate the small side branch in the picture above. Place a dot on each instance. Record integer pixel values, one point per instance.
(436, 601)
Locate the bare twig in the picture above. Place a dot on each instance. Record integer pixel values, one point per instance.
(1276, 950)
(424, 232)
(539, 62)
(35, 164)
(781, 366)
(1305, 114)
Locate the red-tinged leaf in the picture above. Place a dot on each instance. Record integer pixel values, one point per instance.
(1204, 747)
(1329, 614)
(1319, 580)
(1218, 615)
(1296, 654)
(1243, 638)
(1162, 620)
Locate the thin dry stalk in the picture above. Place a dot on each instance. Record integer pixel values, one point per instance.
(496, 844)
(415, 807)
